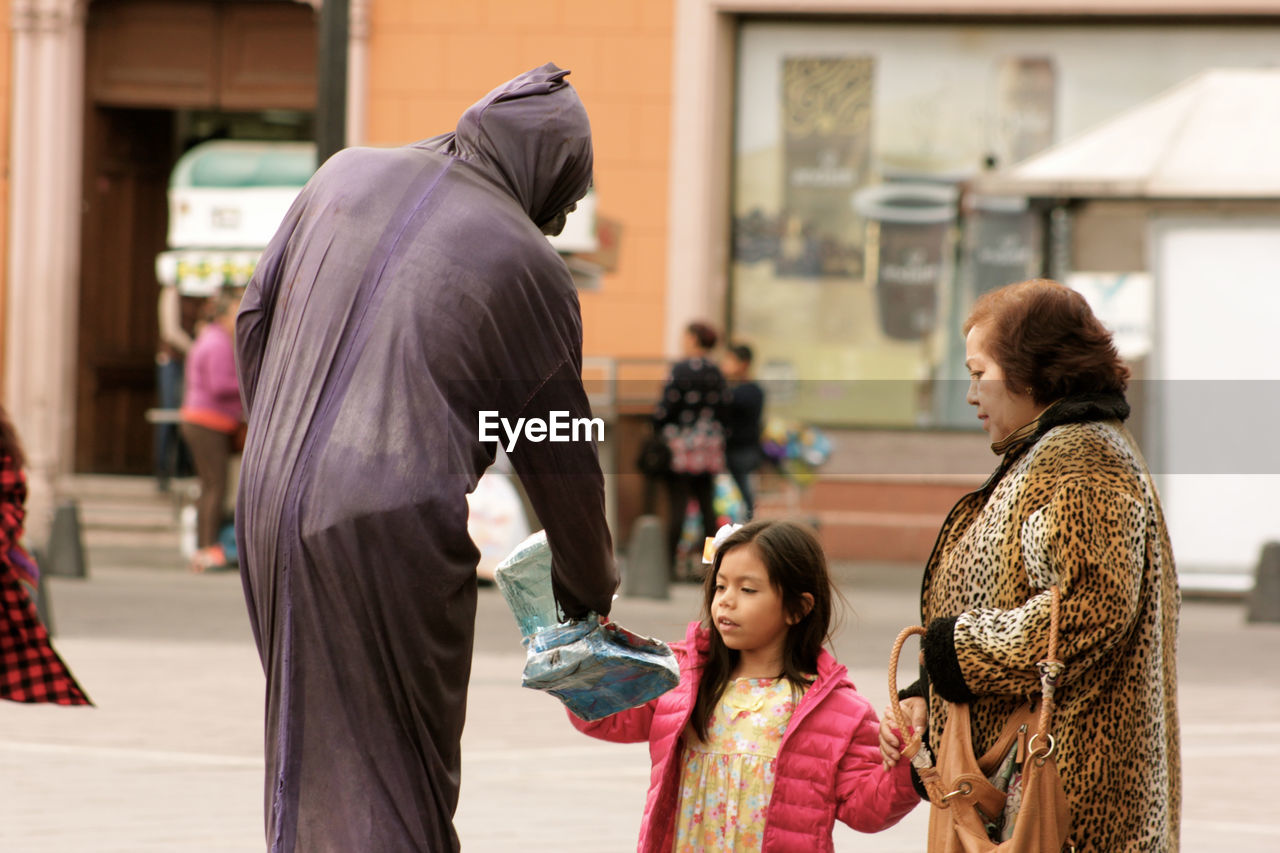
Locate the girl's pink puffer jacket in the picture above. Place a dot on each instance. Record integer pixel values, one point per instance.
(828, 765)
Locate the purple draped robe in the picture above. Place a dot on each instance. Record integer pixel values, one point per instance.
(406, 291)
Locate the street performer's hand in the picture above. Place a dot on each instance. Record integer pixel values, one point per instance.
(891, 740)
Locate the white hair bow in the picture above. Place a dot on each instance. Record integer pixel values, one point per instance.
(713, 543)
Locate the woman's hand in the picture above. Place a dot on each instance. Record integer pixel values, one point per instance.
(917, 712)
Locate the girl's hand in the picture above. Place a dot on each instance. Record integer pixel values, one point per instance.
(917, 711)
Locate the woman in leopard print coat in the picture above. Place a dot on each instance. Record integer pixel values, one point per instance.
(1070, 503)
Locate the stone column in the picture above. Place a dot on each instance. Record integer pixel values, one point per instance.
(358, 14)
(44, 242)
(701, 164)
(357, 70)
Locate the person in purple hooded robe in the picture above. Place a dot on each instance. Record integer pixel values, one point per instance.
(407, 292)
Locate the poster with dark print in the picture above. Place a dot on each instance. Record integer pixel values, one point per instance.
(826, 115)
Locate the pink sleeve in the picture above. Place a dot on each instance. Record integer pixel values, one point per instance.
(630, 726)
(870, 798)
(222, 372)
(211, 369)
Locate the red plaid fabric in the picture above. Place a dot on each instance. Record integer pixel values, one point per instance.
(13, 500)
(30, 670)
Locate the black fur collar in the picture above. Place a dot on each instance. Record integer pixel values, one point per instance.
(1082, 408)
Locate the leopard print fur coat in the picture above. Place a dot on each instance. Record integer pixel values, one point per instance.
(1070, 503)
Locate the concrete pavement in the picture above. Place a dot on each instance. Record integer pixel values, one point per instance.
(170, 760)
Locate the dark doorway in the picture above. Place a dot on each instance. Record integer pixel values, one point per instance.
(162, 75)
(128, 159)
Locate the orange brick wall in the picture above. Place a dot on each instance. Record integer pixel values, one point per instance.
(429, 61)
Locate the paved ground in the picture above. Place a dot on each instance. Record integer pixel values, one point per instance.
(170, 758)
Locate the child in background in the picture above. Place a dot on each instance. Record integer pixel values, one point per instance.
(743, 422)
(765, 741)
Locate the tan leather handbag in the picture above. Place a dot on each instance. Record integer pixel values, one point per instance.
(1011, 799)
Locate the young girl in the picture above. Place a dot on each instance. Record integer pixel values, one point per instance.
(765, 741)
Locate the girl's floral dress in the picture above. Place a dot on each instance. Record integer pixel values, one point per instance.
(726, 783)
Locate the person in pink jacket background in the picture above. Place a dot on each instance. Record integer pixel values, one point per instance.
(212, 415)
(765, 742)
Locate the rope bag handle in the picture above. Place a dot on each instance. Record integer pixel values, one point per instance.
(1039, 746)
(913, 748)
(911, 745)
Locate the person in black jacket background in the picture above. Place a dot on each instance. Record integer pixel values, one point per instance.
(687, 418)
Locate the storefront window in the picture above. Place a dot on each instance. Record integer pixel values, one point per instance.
(857, 246)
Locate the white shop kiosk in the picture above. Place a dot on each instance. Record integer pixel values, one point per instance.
(1194, 173)
(226, 199)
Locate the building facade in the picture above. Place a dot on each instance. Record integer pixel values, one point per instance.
(794, 171)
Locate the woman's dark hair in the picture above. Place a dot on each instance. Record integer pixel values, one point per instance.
(1046, 338)
(222, 302)
(796, 565)
(9, 442)
(703, 334)
(742, 353)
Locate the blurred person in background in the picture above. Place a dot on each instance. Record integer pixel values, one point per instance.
(406, 292)
(687, 418)
(177, 315)
(1071, 503)
(212, 416)
(30, 670)
(743, 417)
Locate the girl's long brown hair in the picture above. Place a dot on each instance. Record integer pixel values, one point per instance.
(9, 443)
(796, 565)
